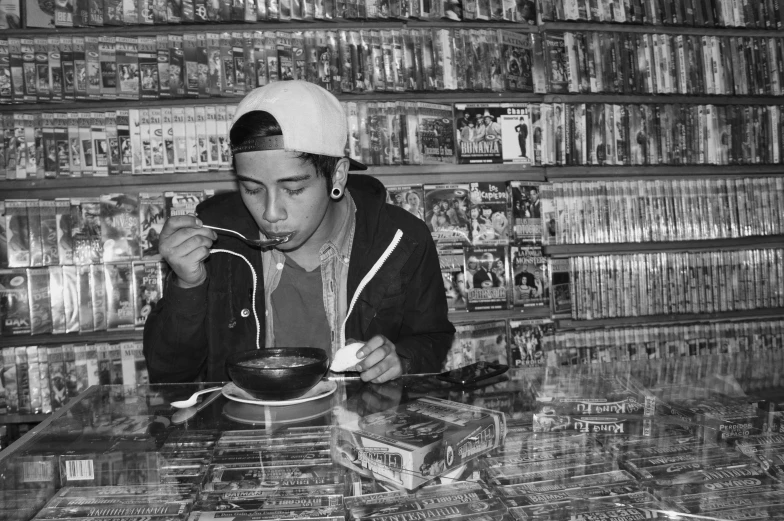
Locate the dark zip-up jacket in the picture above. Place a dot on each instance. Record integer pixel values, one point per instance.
(190, 332)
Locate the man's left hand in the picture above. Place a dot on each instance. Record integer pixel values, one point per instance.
(379, 361)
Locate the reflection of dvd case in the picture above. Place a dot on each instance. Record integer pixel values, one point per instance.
(487, 277)
(14, 302)
(119, 295)
(446, 212)
(560, 288)
(70, 299)
(452, 271)
(9, 380)
(477, 341)
(57, 302)
(40, 307)
(148, 286)
(531, 280)
(529, 341)
(85, 298)
(489, 216)
(98, 288)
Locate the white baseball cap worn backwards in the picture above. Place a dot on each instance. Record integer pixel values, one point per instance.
(310, 117)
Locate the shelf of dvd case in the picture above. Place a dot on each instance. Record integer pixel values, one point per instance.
(462, 317)
(684, 318)
(593, 173)
(93, 337)
(670, 99)
(658, 29)
(372, 24)
(12, 419)
(441, 96)
(224, 180)
(561, 251)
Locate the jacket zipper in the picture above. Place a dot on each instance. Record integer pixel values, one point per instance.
(366, 279)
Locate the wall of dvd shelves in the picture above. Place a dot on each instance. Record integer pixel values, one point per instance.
(603, 172)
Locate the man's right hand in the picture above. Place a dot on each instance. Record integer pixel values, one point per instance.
(184, 244)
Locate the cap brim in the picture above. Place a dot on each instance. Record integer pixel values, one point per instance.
(355, 165)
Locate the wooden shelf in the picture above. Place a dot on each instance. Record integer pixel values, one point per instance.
(657, 29)
(663, 99)
(462, 317)
(224, 180)
(11, 419)
(71, 338)
(295, 25)
(591, 173)
(443, 96)
(748, 314)
(743, 243)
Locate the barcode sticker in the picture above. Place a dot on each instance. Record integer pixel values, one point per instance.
(37, 471)
(79, 470)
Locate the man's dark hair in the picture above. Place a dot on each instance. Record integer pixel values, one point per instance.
(258, 123)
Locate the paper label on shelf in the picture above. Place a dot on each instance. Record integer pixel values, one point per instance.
(37, 471)
(79, 470)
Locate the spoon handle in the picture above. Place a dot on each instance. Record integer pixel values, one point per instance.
(225, 230)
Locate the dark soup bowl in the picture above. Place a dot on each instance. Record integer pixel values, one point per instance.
(278, 374)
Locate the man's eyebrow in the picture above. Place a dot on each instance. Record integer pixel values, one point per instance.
(294, 179)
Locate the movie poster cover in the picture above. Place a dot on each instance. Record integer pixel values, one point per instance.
(516, 60)
(517, 137)
(152, 215)
(557, 62)
(452, 263)
(489, 204)
(531, 280)
(478, 132)
(14, 302)
(526, 213)
(529, 341)
(120, 227)
(119, 295)
(148, 286)
(86, 230)
(487, 277)
(477, 341)
(436, 141)
(446, 212)
(408, 197)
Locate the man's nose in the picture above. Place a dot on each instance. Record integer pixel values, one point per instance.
(273, 209)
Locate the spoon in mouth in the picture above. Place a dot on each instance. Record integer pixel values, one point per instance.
(257, 243)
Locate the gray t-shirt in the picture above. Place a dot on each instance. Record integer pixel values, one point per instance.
(299, 318)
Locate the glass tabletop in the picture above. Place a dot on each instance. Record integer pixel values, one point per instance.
(514, 429)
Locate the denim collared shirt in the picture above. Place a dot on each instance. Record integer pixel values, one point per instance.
(335, 255)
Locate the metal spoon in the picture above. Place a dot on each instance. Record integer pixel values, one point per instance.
(190, 402)
(258, 243)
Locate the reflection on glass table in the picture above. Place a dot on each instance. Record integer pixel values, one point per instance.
(690, 437)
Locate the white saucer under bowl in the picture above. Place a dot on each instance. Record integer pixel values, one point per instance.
(322, 389)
